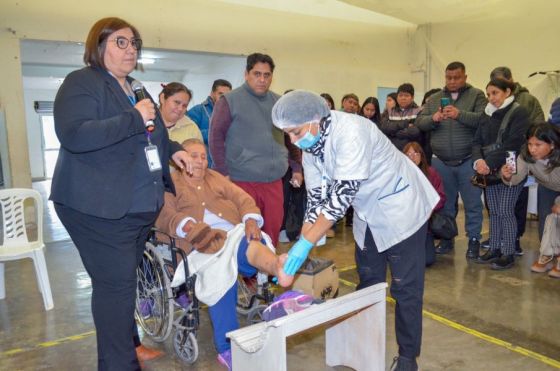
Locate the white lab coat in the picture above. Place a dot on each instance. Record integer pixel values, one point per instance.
(394, 199)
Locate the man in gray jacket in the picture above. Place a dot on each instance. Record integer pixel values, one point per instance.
(536, 114)
(452, 117)
(248, 149)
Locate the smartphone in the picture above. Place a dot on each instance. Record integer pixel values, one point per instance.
(511, 161)
(444, 102)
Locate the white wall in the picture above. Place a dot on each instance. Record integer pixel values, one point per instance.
(522, 36)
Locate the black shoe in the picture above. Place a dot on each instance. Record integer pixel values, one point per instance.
(518, 249)
(489, 257)
(401, 363)
(504, 262)
(444, 247)
(485, 244)
(473, 249)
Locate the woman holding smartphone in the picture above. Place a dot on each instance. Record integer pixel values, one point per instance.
(540, 157)
(500, 130)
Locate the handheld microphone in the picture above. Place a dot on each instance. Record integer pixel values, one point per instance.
(138, 90)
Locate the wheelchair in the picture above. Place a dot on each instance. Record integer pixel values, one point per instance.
(157, 311)
(254, 294)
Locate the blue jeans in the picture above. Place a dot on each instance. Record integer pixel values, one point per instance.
(457, 180)
(223, 314)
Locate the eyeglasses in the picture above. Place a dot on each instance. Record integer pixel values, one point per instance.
(413, 154)
(122, 42)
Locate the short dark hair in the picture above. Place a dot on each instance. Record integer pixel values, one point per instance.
(329, 99)
(406, 88)
(259, 58)
(96, 41)
(547, 133)
(501, 84)
(173, 88)
(455, 66)
(220, 82)
(503, 72)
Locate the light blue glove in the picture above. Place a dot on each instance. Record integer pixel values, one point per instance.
(297, 255)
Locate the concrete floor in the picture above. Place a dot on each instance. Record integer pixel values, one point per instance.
(475, 318)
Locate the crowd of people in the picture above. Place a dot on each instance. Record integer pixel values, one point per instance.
(113, 181)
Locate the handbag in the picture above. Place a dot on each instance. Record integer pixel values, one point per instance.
(443, 226)
(483, 181)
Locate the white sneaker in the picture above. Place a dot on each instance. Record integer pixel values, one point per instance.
(283, 237)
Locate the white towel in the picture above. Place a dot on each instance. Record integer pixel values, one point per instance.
(215, 273)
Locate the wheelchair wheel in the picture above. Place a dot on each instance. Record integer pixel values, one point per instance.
(186, 346)
(245, 292)
(154, 299)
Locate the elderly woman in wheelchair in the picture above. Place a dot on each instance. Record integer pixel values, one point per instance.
(218, 225)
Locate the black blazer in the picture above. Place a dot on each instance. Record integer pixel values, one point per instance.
(98, 131)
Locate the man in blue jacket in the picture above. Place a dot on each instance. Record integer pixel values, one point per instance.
(202, 112)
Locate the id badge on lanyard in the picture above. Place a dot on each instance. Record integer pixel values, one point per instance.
(151, 150)
(152, 156)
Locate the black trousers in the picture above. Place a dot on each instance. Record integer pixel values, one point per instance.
(521, 211)
(406, 260)
(294, 207)
(111, 250)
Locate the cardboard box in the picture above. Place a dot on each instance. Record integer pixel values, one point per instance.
(317, 277)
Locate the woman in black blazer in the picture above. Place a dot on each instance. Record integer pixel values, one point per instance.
(109, 179)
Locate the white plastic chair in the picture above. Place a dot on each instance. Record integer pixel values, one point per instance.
(16, 244)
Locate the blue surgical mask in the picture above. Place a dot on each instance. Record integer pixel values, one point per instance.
(308, 140)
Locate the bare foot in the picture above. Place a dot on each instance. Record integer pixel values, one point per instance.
(284, 280)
